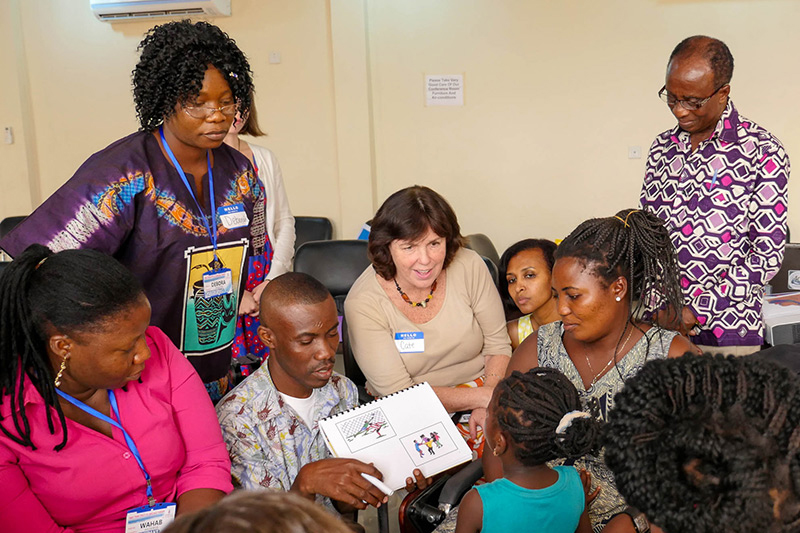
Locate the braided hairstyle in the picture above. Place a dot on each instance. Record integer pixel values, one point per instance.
(173, 63)
(708, 443)
(634, 244)
(530, 407)
(41, 293)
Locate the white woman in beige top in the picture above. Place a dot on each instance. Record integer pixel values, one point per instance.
(427, 309)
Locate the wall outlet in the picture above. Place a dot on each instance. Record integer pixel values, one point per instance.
(634, 152)
(8, 135)
(274, 57)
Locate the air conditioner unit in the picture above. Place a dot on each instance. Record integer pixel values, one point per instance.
(125, 10)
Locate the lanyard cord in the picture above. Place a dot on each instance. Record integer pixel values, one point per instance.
(128, 439)
(211, 234)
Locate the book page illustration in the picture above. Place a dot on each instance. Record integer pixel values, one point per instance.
(398, 433)
(427, 444)
(365, 429)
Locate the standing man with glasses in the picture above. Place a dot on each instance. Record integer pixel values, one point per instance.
(719, 181)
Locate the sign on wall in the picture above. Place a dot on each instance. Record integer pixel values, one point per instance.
(444, 89)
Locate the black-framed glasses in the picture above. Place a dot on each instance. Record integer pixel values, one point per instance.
(690, 104)
(204, 112)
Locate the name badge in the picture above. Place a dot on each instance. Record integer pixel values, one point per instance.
(148, 519)
(410, 341)
(233, 216)
(217, 283)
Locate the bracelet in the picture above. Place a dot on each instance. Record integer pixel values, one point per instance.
(493, 376)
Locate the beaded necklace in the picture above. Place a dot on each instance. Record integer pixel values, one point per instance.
(423, 303)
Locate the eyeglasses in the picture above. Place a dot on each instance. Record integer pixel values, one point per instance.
(690, 104)
(205, 112)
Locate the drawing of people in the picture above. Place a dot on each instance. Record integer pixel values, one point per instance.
(419, 449)
(435, 438)
(429, 443)
(376, 426)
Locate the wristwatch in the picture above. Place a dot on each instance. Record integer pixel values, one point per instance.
(640, 523)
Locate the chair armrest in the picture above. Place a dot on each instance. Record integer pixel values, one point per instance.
(459, 483)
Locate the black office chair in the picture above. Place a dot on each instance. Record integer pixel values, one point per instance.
(9, 223)
(492, 270)
(337, 265)
(422, 511)
(311, 229)
(483, 245)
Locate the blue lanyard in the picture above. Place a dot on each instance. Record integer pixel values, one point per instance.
(131, 445)
(211, 234)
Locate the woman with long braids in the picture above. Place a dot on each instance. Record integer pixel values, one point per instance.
(182, 211)
(709, 444)
(608, 273)
(102, 419)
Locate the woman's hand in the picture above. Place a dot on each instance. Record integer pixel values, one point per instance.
(258, 290)
(248, 305)
(477, 418)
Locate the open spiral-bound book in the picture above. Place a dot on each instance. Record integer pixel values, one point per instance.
(398, 433)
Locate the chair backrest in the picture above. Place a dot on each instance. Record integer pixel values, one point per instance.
(483, 245)
(9, 223)
(492, 270)
(337, 265)
(311, 229)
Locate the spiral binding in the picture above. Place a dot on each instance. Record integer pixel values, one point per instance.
(376, 400)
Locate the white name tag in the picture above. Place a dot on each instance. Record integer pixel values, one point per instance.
(217, 283)
(233, 216)
(410, 341)
(150, 519)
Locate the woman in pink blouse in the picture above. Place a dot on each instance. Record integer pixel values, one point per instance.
(102, 420)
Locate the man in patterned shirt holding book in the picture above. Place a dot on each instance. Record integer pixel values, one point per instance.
(270, 421)
(719, 181)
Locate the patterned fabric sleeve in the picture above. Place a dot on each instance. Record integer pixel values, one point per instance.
(766, 235)
(86, 212)
(252, 461)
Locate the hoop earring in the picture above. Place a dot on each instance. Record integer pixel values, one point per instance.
(57, 382)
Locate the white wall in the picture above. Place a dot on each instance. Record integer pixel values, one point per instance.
(555, 92)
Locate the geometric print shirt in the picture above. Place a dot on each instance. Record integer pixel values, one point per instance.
(267, 441)
(725, 208)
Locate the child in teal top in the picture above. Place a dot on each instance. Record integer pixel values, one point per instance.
(533, 418)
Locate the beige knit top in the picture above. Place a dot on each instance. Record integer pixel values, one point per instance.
(469, 326)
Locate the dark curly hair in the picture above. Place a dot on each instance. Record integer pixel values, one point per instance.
(530, 407)
(173, 62)
(406, 215)
(548, 249)
(708, 443)
(72, 291)
(714, 51)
